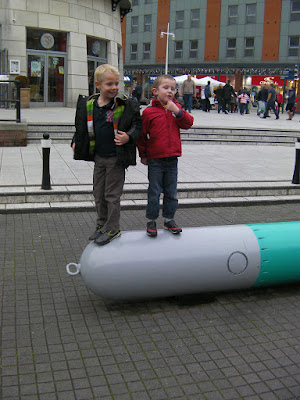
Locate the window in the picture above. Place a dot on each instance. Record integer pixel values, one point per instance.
(179, 19)
(147, 23)
(135, 2)
(193, 48)
(232, 15)
(133, 51)
(147, 47)
(294, 46)
(250, 13)
(148, 1)
(195, 18)
(178, 49)
(295, 10)
(231, 48)
(134, 24)
(249, 47)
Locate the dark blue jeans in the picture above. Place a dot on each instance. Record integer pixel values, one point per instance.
(162, 175)
(270, 106)
(188, 100)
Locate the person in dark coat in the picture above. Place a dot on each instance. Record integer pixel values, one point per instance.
(107, 126)
(219, 97)
(228, 92)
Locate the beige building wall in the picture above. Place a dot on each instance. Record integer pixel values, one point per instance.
(77, 18)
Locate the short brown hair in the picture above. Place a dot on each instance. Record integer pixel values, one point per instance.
(160, 78)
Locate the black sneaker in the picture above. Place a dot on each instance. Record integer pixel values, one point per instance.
(151, 229)
(97, 232)
(172, 226)
(106, 237)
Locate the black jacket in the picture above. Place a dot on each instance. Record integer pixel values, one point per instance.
(227, 91)
(130, 122)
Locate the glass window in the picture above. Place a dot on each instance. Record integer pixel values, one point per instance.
(231, 48)
(232, 15)
(147, 22)
(147, 48)
(294, 46)
(96, 47)
(193, 48)
(133, 51)
(178, 49)
(251, 13)
(148, 1)
(134, 24)
(135, 2)
(41, 39)
(249, 47)
(179, 19)
(295, 10)
(195, 18)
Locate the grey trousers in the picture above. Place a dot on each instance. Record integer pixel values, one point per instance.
(108, 185)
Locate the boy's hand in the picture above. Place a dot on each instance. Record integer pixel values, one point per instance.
(121, 138)
(171, 106)
(144, 160)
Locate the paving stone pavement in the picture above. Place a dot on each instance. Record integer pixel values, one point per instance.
(59, 341)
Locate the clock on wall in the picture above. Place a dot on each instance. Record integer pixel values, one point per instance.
(47, 40)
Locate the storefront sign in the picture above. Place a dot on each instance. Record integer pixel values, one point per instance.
(127, 78)
(266, 80)
(152, 78)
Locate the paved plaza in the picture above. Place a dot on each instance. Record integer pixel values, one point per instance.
(60, 341)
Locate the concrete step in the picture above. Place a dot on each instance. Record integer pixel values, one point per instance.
(34, 198)
(62, 133)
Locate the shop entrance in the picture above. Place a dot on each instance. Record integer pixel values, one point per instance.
(46, 73)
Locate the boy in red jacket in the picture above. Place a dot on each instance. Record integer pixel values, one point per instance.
(159, 148)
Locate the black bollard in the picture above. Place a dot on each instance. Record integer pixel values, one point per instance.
(46, 144)
(296, 176)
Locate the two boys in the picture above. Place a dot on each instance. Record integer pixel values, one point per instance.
(108, 128)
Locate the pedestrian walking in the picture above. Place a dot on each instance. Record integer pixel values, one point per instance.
(291, 103)
(271, 102)
(188, 91)
(207, 93)
(227, 93)
(244, 99)
(219, 97)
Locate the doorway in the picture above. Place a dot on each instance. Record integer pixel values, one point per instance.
(46, 73)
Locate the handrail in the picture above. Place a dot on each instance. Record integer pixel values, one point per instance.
(17, 101)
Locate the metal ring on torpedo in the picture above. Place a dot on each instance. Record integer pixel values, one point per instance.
(77, 268)
(237, 262)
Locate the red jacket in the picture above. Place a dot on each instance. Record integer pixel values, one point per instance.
(161, 135)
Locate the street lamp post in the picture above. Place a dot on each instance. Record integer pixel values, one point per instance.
(168, 33)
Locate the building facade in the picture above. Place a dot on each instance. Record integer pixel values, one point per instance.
(58, 45)
(250, 42)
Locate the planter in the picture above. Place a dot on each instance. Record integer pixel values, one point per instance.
(25, 97)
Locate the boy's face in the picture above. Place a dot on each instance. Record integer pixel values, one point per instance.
(165, 91)
(109, 86)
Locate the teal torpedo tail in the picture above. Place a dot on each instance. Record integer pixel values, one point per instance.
(279, 245)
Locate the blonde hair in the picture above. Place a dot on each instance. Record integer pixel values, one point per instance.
(103, 69)
(160, 78)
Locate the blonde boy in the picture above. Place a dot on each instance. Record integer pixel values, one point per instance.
(107, 127)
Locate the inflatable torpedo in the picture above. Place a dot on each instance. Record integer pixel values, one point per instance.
(206, 259)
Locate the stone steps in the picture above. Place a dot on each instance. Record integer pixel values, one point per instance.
(59, 198)
(62, 133)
